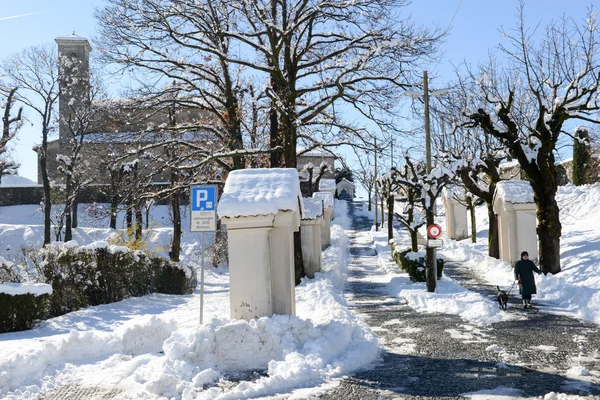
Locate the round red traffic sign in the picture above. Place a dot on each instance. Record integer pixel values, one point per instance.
(434, 231)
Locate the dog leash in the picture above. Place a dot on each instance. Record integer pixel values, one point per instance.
(511, 288)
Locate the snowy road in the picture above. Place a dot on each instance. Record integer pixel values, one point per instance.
(441, 356)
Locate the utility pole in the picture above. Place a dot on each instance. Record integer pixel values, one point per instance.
(375, 200)
(430, 259)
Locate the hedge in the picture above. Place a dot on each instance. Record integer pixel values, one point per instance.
(414, 263)
(102, 274)
(21, 312)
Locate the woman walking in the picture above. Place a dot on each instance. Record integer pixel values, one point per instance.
(524, 269)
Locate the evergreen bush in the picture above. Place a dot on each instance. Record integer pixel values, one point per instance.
(581, 156)
(414, 263)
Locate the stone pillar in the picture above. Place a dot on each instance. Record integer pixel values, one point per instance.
(250, 266)
(283, 281)
(517, 221)
(311, 245)
(456, 216)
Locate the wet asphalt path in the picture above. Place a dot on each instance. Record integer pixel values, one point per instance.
(439, 356)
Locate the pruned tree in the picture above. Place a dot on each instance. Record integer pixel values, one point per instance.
(34, 72)
(422, 189)
(314, 176)
(527, 103)
(10, 126)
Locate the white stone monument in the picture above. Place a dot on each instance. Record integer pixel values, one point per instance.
(517, 221)
(328, 185)
(457, 226)
(310, 230)
(261, 209)
(327, 200)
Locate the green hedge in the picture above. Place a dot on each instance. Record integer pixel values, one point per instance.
(21, 312)
(414, 268)
(82, 276)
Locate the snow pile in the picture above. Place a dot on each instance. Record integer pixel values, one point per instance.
(576, 290)
(515, 191)
(36, 289)
(260, 191)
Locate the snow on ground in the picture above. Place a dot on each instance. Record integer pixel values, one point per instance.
(153, 346)
(451, 297)
(576, 290)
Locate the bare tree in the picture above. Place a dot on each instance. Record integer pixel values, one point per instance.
(34, 72)
(10, 126)
(527, 104)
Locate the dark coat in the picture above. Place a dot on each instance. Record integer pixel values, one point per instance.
(524, 270)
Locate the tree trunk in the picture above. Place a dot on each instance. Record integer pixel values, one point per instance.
(114, 198)
(549, 232)
(129, 220)
(176, 242)
(298, 261)
(68, 201)
(370, 200)
(471, 208)
(390, 224)
(493, 234)
(414, 240)
(138, 222)
(46, 184)
(382, 213)
(74, 211)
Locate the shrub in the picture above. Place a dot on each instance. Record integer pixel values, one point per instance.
(102, 274)
(21, 312)
(414, 263)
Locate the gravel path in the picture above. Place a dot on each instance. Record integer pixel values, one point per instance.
(438, 356)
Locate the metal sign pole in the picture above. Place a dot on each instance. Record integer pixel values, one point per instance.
(201, 278)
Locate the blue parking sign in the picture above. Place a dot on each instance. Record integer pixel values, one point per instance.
(204, 198)
(203, 202)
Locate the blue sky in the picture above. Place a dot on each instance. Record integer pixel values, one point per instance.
(473, 31)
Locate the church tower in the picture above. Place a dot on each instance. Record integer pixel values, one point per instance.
(74, 81)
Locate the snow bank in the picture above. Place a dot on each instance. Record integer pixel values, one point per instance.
(260, 191)
(451, 297)
(576, 290)
(515, 191)
(36, 289)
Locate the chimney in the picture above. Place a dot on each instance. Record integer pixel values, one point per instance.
(74, 81)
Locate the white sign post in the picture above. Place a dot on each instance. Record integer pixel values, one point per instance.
(434, 231)
(203, 218)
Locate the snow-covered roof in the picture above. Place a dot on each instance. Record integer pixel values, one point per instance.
(316, 153)
(15, 180)
(313, 208)
(145, 137)
(515, 191)
(260, 191)
(36, 289)
(72, 37)
(346, 181)
(326, 197)
(327, 184)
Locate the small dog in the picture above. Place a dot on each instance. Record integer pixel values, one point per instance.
(502, 298)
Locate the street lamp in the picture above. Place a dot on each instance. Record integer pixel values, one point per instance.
(431, 262)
